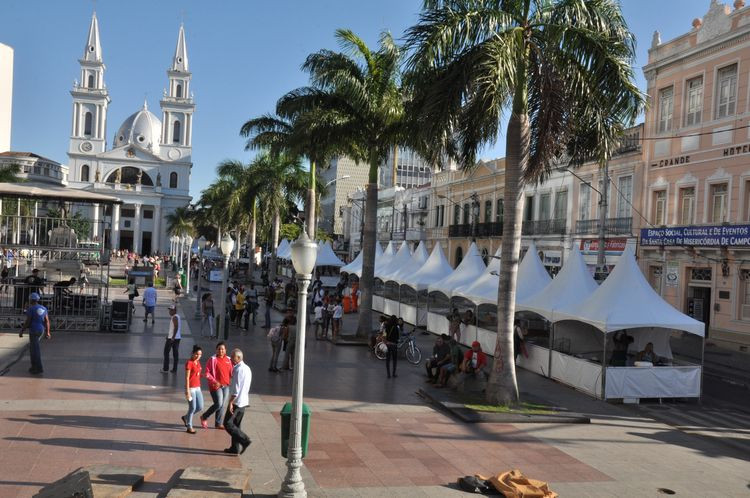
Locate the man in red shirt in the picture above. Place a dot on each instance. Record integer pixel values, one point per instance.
(474, 360)
(219, 375)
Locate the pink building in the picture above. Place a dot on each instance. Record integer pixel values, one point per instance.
(695, 244)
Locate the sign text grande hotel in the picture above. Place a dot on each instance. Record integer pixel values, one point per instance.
(736, 150)
(705, 236)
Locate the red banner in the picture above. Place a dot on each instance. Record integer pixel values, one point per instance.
(610, 245)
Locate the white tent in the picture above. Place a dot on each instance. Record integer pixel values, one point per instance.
(326, 256)
(385, 259)
(532, 276)
(418, 259)
(434, 269)
(355, 267)
(284, 250)
(626, 301)
(397, 263)
(483, 290)
(573, 285)
(468, 271)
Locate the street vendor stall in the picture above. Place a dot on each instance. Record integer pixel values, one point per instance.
(390, 287)
(393, 291)
(378, 291)
(413, 286)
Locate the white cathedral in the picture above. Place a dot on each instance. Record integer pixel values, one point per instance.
(148, 166)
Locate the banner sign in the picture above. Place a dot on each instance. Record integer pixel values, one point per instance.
(590, 246)
(672, 276)
(699, 236)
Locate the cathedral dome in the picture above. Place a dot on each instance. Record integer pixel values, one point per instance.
(141, 128)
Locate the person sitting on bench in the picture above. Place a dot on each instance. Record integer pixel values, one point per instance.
(474, 360)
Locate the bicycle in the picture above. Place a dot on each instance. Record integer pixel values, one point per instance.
(407, 343)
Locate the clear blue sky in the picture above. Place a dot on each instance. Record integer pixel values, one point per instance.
(244, 54)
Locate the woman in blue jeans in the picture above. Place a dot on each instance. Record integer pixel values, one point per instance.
(193, 388)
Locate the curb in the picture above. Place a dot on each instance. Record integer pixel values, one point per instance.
(473, 417)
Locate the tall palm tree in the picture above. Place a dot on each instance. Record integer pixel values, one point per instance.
(357, 95)
(562, 68)
(179, 222)
(9, 173)
(280, 181)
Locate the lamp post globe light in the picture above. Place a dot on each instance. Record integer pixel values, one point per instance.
(188, 256)
(201, 245)
(226, 245)
(304, 254)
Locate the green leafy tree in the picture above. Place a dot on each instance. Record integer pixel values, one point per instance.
(180, 222)
(563, 71)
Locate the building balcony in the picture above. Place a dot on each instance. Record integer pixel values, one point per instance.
(614, 226)
(488, 229)
(544, 227)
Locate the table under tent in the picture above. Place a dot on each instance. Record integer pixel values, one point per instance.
(378, 290)
(440, 300)
(386, 273)
(414, 281)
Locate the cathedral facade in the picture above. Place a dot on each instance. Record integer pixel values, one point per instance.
(148, 165)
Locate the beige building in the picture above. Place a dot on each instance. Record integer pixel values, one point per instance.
(6, 95)
(695, 245)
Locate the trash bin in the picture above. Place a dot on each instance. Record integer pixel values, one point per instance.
(183, 279)
(286, 422)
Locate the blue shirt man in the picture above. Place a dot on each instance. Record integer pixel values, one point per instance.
(37, 322)
(149, 302)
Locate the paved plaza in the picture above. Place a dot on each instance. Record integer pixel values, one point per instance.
(103, 399)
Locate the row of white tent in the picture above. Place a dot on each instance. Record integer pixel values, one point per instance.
(326, 256)
(580, 311)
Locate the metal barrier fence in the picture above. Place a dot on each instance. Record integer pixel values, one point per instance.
(33, 231)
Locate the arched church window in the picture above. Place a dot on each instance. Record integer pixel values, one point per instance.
(173, 180)
(178, 91)
(85, 173)
(176, 129)
(91, 81)
(88, 118)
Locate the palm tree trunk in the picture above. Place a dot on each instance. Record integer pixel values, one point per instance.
(310, 203)
(364, 327)
(274, 245)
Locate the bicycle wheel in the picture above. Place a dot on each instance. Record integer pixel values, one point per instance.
(413, 354)
(380, 351)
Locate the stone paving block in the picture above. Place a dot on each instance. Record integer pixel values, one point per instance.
(210, 482)
(114, 481)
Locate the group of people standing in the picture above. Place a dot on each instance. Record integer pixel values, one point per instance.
(229, 379)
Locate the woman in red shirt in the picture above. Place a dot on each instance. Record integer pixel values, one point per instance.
(219, 375)
(193, 387)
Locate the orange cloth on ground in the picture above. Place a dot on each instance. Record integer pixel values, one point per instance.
(513, 484)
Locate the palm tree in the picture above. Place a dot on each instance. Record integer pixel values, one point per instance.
(280, 181)
(179, 222)
(9, 173)
(356, 95)
(563, 70)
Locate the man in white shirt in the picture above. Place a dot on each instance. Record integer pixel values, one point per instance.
(239, 399)
(149, 302)
(173, 339)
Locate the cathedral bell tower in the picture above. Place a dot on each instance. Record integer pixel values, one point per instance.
(90, 99)
(177, 106)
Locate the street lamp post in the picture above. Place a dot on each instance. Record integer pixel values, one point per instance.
(227, 244)
(317, 200)
(201, 246)
(189, 245)
(304, 252)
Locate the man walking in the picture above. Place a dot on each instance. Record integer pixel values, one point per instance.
(270, 295)
(239, 399)
(173, 340)
(149, 302)
(37, 322)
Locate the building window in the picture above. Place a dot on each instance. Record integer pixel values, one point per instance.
(528, 208)
(719, 199)
(437, 216)
(456, 215)
(176, 129)
(625, 197)
(654, 278)
(499, 211)
(544, 205)
(87, 123)
(726, 91)
(561, 205)
(459, 256)
(178, 91)
(700, 274)
(660, 207)
(91, 81)
(442, 216)
(745, 295)
(127, 212)
(694, 101)
(148, 214)
(584, 201)
(666, 107)
(487, 211)
(173, 180)
(467, 212)
(85, 173)
(687, 205)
